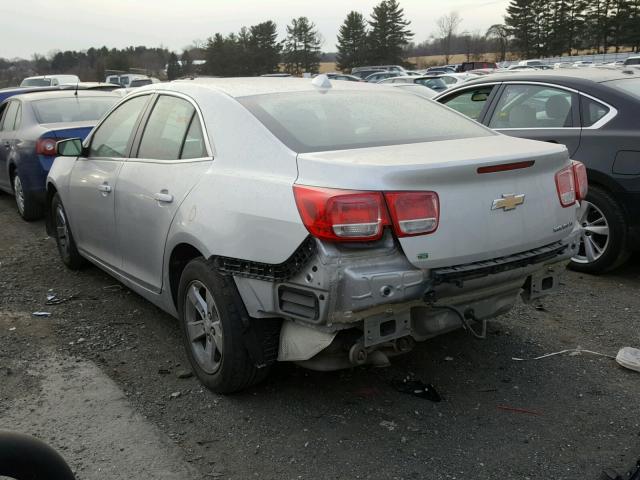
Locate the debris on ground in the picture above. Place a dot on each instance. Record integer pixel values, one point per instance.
(417, 388)
(175, 394)
(184, 374)
(629, 357)
(570, 351)
(389, 425)
(53, 299)
(507, 408)
(41, 314)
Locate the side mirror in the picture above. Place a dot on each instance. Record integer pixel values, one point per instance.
(71, 147)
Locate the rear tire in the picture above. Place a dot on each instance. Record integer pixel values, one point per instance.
(605, 252)
(28, 206)
(64, 238)
(214, 325)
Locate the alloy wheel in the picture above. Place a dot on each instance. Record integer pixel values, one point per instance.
(19, 194)
(204, 329)
(62, 230)
(594, 238)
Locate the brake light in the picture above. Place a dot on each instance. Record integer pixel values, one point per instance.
(580, 179)
(413, 213)
(565, 184)
(46, 146)
(341, 215)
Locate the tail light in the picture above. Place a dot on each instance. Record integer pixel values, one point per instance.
(580, 179)
(356, 216)
(565, 184)
(341, 215)
(413, 213)
(46, 146)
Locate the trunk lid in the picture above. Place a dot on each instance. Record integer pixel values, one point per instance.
(470, 229)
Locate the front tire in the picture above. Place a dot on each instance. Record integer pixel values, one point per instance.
(603, 244)
(214, 325)
(64, 238)
(28, 206)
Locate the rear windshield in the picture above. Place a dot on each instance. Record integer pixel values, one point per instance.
(628, 85)
(36, 82)
(339, 120)
(72, 109)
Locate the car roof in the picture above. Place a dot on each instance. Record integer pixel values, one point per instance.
(560, 76)
(243, 87)
(67, 93)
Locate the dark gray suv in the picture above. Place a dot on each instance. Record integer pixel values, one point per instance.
(595, 113)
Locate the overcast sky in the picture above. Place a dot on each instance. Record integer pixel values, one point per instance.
(42, 26)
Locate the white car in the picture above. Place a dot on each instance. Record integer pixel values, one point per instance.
(49, 80)
(328, 224)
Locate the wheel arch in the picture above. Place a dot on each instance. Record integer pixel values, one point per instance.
(181, 255)
(48, 217)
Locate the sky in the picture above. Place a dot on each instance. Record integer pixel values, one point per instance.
(43, 26)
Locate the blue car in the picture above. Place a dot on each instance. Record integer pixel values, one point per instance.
(30, 126)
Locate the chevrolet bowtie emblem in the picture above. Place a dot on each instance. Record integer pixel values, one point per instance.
(509, 201)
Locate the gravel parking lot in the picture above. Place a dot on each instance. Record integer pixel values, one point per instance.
(104, 380)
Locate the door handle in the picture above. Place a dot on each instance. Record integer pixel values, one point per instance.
(163, 196)
(105, 188)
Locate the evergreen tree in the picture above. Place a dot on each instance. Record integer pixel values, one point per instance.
(173, 67)
(302, 47)
(265, 48)
(521, 22)
(187, 63)
(352, 42)
(389, 33)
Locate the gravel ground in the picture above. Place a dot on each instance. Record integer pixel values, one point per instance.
(580, 414)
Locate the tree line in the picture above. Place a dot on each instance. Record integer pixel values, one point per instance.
(538, 28)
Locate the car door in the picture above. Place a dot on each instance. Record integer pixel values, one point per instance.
(473, 102)
(7, 141)
(538, 112)
(93, 182)
(171, 155)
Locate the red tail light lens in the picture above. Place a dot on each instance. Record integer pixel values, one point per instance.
(565, 184)
(580, 179)
(413, 213)
(341, 215)
(46, 146)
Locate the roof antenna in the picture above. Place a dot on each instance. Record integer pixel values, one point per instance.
(76, 92)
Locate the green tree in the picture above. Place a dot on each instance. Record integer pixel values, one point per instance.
(389, 33)
(521, 22)
(352, 42)
(302, 47)
(265, 48)
(173, 67)
(186, 63)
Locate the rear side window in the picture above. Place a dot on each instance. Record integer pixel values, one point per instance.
(112, 137)
(533, 106)
(10, 115)
(592, 111)
(166, 131)
(470, 102)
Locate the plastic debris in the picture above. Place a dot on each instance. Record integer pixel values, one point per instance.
(417, 389)
(571, 351)
(391, 426)
(629, 357)
(507, 408)
(53, 299)
(41, 314)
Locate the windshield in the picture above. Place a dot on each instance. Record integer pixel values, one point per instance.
(72, 109)
(436, 84)
(36, 82)
(338, 120)
(628, 85)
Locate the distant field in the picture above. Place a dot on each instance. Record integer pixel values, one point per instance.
(421, 62)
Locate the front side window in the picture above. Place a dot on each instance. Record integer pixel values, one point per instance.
(337, 120)
(470, 102)
(592, 111)
(112, 137)
(36, 82)
(166, 129)
(533, 106)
